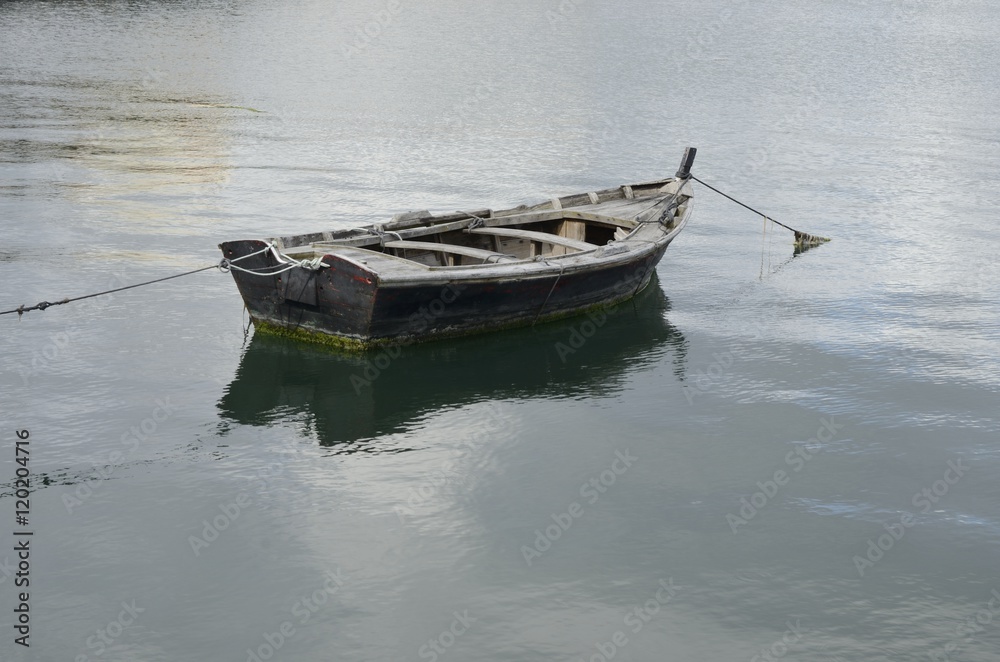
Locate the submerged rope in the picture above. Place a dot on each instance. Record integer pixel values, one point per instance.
(763, 247)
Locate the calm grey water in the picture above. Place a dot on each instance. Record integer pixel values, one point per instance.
(768, 456)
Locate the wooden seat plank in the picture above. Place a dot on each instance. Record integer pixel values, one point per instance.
(531, 235)
(466, 251)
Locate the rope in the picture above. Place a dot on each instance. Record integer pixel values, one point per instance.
(647, 210)
(673, 202)
(224, 266)
(477, 221)
(263, 250)
(763, 246)
(379, 232)
(289, 263)
(800, 237)
(759, 213)
(46, 304)
(551, 290)
(645, 275)
(770, 244)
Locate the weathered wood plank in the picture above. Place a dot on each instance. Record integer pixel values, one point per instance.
(543, 237)
(466, 251)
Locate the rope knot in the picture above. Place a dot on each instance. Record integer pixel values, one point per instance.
(313, 265)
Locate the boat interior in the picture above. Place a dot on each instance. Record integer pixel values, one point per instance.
(560, 227)
(484, 244)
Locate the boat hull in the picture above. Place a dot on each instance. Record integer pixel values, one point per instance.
(412, 313)
(353, 311)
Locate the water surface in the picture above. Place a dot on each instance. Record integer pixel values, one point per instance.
(134, 137)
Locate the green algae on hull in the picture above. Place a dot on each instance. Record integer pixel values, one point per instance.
(356, 345)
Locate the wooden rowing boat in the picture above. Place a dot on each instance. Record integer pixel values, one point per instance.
(423, 276)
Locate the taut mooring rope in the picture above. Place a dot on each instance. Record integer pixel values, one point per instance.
(46, 304)
(803, 238)
(285, 263)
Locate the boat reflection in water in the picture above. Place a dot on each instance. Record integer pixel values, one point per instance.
(344, 398)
